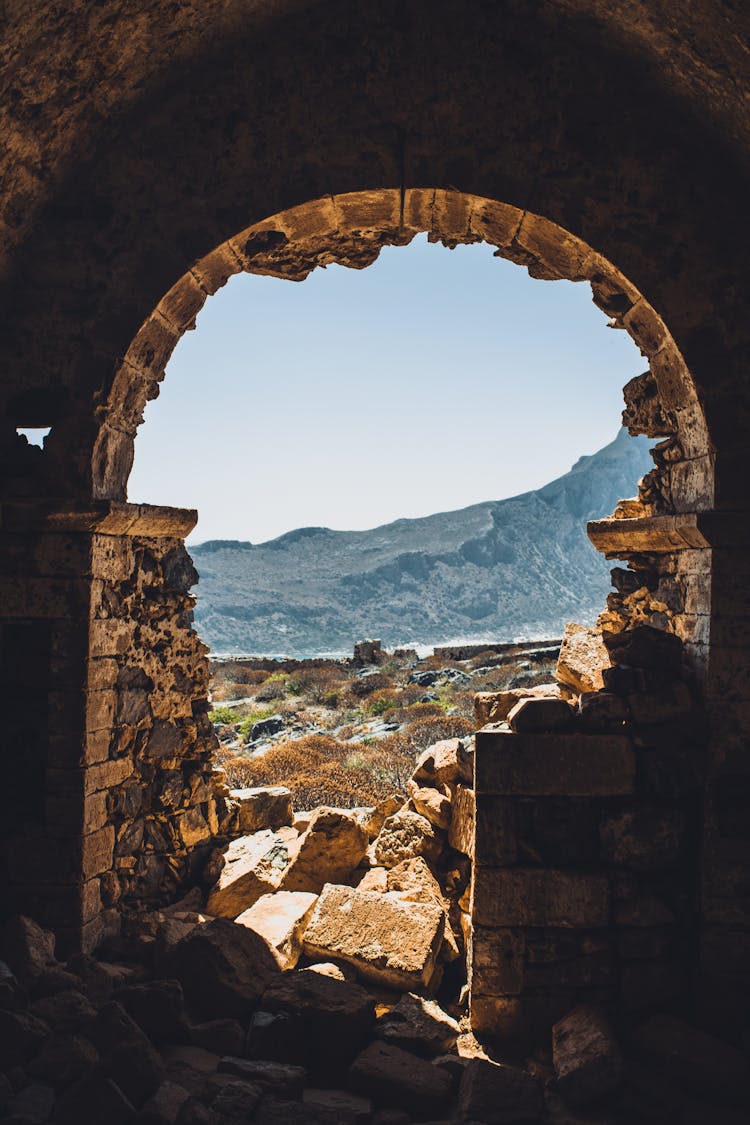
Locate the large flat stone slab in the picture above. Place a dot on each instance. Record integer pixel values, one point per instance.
(280, 919)
(554, 764)
(327, 852)
(253, 866)
(388, 941)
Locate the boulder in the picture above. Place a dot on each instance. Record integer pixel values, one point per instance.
(394, 1077)
(587, 1059)
(433, 804)
(338, 1107)
(498, 1095)
(223, 968)
(280, 919)
(413, 881)
(282, 1079)
(328, 851)
(439, 764)
(266, 728)
(583, 655)
(403, 836)
(336, 1017)
(530, 716)
(387, 941)
(263, 807)
(26, 947)
(252, 866)
(385, 808)
(418, 1025)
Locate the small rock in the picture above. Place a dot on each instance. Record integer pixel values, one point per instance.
(418, 1025)
(498, 1095)
(387, 941)
(385, 808)
(264, 807)
(394, 1077)
(266, 728)
(280, 919)
(404, 836)
(530, 716)
(327, 852)
(587, 1059)
(164, 1107)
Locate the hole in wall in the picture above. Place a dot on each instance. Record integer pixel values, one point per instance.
(34, 435)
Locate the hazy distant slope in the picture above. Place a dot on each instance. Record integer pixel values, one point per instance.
(500, 569)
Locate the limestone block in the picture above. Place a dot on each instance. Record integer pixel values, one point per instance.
(495, 706)
(252, 866)
(433, 804)
(496, 837)
(404, 836)
(194, 828)
(338, 1106)
(602, 711)
(398, 1078)
(540, 897)
(385, 808)
(498, 1095)
(583, 654)
(280, 919)
(336, 1016)
(540, 714)
(497, 962)
(645, 839)
(223, 968)
(413, 881)
(463, 818)
(554, 764)
(376, 879)
(587, 1059)
(418, 1025)
(387, 941)
(263, 807)
(328, 851)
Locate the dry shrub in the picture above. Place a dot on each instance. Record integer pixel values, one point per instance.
(363, 686)
(483, 658)
(237, 673)
(423, 732)
(271, 689)
(321, 685)
(463, 701)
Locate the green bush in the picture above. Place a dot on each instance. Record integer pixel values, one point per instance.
(223, 716)
(253, 717)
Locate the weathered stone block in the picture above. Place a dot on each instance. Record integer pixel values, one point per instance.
(404, 836)
(328, 851)
(583, 654)
(398, 1078)
(530, 716)
(253, 866)
(495, 843)
(280, 919)
(645, 839)
(266, 807)
(386, 940)
(497, 960)
(539, 897)
(418, 1025)
(498, 1095)
(433, 804)
(552, 764)
(587, 1059)
(463, 820)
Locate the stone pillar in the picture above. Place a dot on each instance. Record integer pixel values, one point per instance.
(109, 797)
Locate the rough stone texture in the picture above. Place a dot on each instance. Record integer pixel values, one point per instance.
(495, 706)
(405, 835)
(554, 763)
(587, 1059)
(327, 852)
(336, 1016)
(583, 654)
(498, 1094)
(223, 968)
(439, 764)
(388, 941)
(280, 919)
(463, 818)
(418, 1025)
(263, 807)
(433, 804)
(395, 1077)
(252, 867)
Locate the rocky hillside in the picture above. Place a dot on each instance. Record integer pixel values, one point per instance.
(503, 569)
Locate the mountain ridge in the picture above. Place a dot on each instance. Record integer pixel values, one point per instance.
(495, 570)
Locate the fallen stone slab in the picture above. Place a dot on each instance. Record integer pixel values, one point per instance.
(583, 655)
(498, 1095)
(339, 1106)
(252, 866)
(127, 1055)
(495, 706)
(388, 941)
(282, 1079)
(587, 1059)
(26, 947)
(336, 1016)
(263, 807)
(385, 808)
(328, 851)
(394, 1077)
(691, 1057)
(280, 919)
(223, 968)
(546, 713)
(418, 1025)
(403, 836)
(414, 882)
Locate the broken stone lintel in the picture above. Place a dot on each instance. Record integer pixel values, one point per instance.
(100, 517)
(619, 538)
(549, 764)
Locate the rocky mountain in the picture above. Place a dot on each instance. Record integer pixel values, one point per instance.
(500, 570)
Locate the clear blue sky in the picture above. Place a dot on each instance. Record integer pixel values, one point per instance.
(430, 381)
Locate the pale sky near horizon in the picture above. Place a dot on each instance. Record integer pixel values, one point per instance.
(430, 381)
